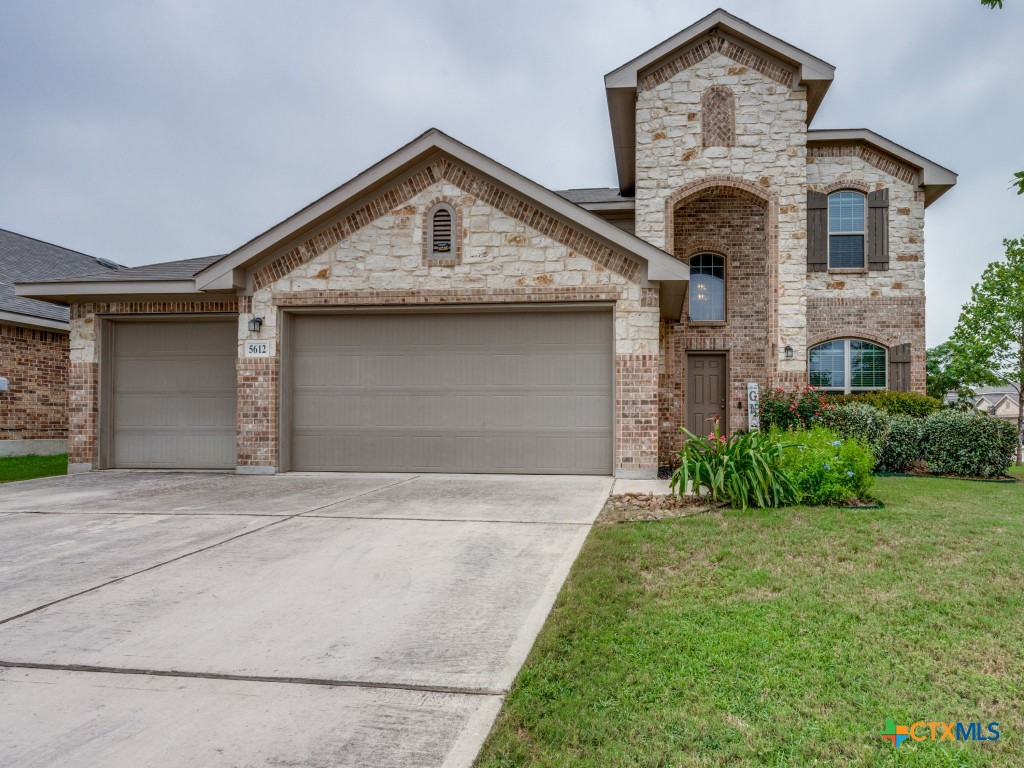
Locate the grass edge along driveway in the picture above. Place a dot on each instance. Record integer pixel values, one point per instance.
(783, 638)
(13, 468)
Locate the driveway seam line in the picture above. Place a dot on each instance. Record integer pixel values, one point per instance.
(327, 682)
(358, 496)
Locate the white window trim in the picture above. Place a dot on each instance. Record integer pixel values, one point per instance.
(848, 389)
(863, 232)
(725, 291)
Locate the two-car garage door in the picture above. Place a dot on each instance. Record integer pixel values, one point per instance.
(501, 391)
(527, 392)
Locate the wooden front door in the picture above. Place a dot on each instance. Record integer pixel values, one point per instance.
(705, 393)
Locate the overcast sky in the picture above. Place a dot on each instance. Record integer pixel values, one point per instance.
(149, 131)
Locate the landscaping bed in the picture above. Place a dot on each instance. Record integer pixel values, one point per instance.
(783, 637)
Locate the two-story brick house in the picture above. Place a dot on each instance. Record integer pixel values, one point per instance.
(440, 312)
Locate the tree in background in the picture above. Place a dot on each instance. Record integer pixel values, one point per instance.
(987, 346)
(1018, 178)
(942, 374)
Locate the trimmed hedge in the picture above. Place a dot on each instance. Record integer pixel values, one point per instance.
(895, 403)
(858, 421)
(970, 444)
(902, 446)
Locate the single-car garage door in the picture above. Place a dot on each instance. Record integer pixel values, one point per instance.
(527, 392)
(172, 394)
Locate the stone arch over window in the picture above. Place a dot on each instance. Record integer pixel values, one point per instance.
(718, 117)
(442, 234)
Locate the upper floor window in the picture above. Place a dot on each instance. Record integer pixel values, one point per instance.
(718, 117)
(707, 288)
(440, 238)
(846, 229)
(848, 365)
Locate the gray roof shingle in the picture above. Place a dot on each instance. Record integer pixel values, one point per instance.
(164, 270)
(594, 195)
(25, 259)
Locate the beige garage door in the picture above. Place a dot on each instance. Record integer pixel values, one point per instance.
(526, 392)
(173, 395)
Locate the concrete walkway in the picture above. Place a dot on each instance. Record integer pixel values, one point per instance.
(174, 619)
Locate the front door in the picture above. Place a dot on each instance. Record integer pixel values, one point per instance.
(705, 393)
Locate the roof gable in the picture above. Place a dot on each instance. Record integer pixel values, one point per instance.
(621, 84)
(430, 147)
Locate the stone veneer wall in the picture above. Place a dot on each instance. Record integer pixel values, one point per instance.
(85, 351)
(35, 363)
(510, 253)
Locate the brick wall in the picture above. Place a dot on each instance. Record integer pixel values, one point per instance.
(886, 320)
(734, 223)
(35, 363)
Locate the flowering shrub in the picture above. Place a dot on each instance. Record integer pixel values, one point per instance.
(827, 468)
(798, 408)
(742, 470)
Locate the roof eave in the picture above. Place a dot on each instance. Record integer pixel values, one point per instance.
(33, 321)
(69, 291)
(933, 179)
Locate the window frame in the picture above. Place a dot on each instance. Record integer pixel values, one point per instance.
(725, 289)
(863, 232)
(848, 387)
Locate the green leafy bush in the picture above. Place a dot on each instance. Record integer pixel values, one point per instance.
(827, 468)
(901, 447)
(742, 470)
(793, 409)
(969, 444)
(893, 403)
(859, 421)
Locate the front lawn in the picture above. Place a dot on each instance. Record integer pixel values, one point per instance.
(27, 467)
(783, 638)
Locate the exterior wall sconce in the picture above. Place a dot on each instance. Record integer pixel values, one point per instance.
(789, 352)
(255, 324)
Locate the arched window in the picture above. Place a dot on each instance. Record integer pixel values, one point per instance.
(707, 288)
(848, 365)
(718, 117)
(846, 226)
(441, 234)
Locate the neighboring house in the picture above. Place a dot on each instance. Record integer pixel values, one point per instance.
(440, 312)
(34, 346)
(1001, 402)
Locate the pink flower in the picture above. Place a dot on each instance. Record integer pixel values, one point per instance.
(722, 438)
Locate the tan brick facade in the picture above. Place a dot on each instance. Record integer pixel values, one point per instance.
(35, 364)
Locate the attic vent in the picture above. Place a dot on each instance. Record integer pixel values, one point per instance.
(441, 232)
(441, 241)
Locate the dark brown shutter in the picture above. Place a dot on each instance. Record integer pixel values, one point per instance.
(899, 368)
(878, 229)
(817, 232)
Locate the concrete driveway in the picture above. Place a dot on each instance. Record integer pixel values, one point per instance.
(169, 619)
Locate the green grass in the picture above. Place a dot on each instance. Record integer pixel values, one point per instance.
(783, 638)
(27, 467)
